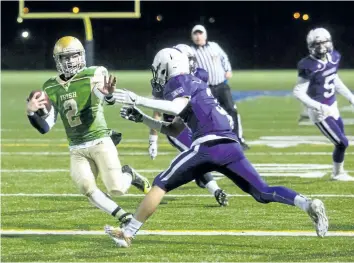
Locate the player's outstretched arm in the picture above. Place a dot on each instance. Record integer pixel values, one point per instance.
(342, 89)
(104, 88)
(169, 128)
(130, 98)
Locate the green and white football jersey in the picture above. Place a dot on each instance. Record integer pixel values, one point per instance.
(80, 109)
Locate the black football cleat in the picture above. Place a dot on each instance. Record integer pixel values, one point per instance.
(138, 180)
(221, 197)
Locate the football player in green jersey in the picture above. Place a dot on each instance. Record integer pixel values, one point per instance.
(78, 94)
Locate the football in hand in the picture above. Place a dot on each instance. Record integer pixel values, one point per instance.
(48, 105)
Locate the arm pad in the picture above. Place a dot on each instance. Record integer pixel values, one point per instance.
(170, 107)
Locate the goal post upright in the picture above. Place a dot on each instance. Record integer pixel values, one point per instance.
(86, 17)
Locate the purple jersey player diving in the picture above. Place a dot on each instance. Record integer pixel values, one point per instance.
(214, 148)
(316, 87)
(184, 140)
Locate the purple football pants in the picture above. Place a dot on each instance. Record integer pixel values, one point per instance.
(334, 130)
(225, 156)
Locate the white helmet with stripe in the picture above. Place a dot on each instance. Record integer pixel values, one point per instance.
(168, 62)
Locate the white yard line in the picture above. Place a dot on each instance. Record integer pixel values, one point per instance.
(169, 195)
(123, 153)
(180, 232)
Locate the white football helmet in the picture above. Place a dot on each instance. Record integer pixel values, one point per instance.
(188, 51)
(69, 56)
(168, 62)
(319, 42)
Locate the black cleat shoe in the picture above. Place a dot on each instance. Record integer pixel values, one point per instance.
(221, 197)
(138, 180)
(115, 136)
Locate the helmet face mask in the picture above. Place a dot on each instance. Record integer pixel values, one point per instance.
(69, 56)
(321, 48)
(156, 82)
(70, 63)
(192, 64)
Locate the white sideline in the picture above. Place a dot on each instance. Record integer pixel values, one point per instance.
(168, 195)
(181, 233)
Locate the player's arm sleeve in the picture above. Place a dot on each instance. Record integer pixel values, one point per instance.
(342, 89)
(157, 116)
(97, 81)
(202, 74)
(43, 124)
(300, 92)
(169, 128)
(224, 59)
(173, 107)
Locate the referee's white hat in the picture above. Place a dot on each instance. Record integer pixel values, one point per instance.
(199, 28)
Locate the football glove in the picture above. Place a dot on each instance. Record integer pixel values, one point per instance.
(153, 146)
(131, 113)
(124, 96)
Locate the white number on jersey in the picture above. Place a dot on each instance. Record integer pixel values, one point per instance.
(329, 85)
(71, 114)
(220, 109)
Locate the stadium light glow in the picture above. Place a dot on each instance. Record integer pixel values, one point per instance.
(305, 17)
(19, 20)
(25, 34)
(159, 18)
(76, 10)
(296, 15)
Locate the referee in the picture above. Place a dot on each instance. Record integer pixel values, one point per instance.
(213, 59)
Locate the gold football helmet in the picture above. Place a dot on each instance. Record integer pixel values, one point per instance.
(69, 56)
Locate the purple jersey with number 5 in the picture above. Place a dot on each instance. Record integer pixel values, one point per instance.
(321, 75)
(203, 114)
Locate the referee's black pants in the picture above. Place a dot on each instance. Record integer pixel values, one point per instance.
(222, 93)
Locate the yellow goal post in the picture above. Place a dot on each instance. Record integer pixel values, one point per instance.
(85, 16)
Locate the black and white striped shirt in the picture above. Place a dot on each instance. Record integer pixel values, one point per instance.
(213, 59)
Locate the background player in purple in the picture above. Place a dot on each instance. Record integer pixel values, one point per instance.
(214, 148)
(316, 87)
(183, 141)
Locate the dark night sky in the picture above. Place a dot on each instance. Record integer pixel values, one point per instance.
(238, 25)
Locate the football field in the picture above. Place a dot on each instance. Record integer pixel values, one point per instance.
(44, 218)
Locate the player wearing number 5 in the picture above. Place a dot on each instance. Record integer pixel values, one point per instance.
(78, 94)
(316, 87)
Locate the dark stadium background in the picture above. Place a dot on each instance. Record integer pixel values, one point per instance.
(255, 35)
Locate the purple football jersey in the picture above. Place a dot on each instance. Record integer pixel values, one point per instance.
(321, 75)
(202, 74)
(203, 114)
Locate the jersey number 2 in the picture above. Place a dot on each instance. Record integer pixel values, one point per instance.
(329, 85)
(71, 114)
(221, 110)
